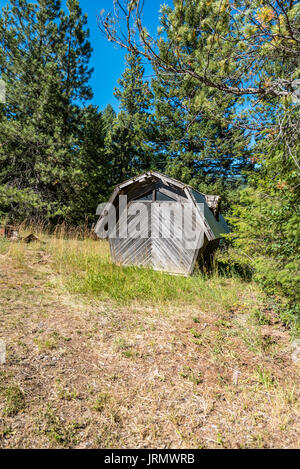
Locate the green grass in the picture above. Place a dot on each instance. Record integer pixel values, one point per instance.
(14, 400)
(57, 431)
(101, 401)
(87, 269)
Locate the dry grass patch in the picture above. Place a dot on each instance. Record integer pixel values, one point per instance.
(182, 363)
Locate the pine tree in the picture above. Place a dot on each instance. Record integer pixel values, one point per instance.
(109, 115)
(93, 165)
(194, 122)
(128, 137)
(39, 125)
(266, 216)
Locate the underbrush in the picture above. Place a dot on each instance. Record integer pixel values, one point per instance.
(279, 286)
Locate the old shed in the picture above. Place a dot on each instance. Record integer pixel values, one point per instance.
(161, 223)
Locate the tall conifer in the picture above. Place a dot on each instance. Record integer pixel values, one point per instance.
(44, 63)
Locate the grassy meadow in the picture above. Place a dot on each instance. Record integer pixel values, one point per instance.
(104, 356)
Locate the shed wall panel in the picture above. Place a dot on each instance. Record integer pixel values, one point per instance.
(170, 253)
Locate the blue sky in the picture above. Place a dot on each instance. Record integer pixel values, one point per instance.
(107, 59)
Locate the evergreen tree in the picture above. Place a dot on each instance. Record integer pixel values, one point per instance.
(258, 32)
(266, 217)
(128, 137)
(93, 164)
(109, 115)
(195, 123)
(44, 65)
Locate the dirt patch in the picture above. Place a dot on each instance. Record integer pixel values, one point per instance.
(87, 374)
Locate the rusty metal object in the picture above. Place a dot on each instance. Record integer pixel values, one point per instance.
(11, 233)
(30, 238)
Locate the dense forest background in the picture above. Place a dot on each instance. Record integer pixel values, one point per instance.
(221, 113)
